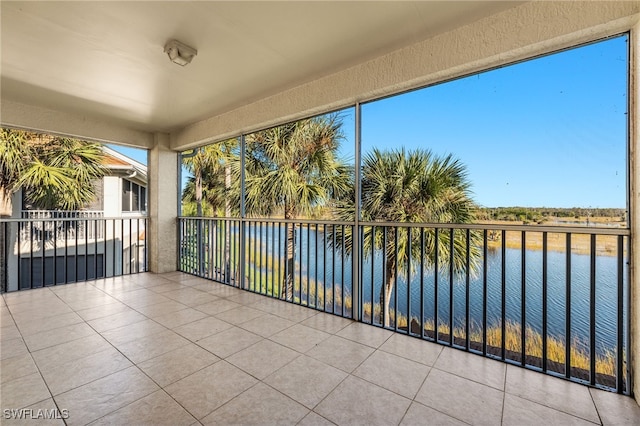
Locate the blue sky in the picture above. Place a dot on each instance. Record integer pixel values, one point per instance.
(546, 132)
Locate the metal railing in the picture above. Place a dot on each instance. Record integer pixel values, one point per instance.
(553, 299)
(282, 259)
(51, 251)
(44, 230)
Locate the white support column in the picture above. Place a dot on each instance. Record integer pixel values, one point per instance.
(163, 198)
(634, 135)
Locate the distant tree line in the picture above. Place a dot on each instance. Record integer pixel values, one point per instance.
(538, 214)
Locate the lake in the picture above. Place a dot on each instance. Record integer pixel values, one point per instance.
(316, 262)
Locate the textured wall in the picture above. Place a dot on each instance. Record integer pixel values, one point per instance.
(42, 119)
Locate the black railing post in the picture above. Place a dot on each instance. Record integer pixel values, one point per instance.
(4, 256)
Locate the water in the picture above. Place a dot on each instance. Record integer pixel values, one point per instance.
(318, 262)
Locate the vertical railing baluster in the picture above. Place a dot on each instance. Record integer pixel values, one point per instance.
(43, 245)
(627, 302)
(65, 229)
(342, 262)
(422, 262)
(567, 343)
(260, 257)
(436, 269)
(503, 298)
(324, 267)
(467, 325)
(218, 255)
(104, 247)
(269, 264)
(300, 265)
(86, 248)
(315, 303)
(308, 261)
(592, 312)
(113, 244)
(264, 246)
(285, 280)
(55, 252)
(217, 247)
(620, 383)
(373, 251)
(383, 292)
(253, 253)
(484, 291)
(544, 301)
(333, 268)
(121, 251)
(247, 239)
(451, 289)
(395, 280)
(31, 254)
(523, 299)
(408, 280)
(95, 249)
(19, 256)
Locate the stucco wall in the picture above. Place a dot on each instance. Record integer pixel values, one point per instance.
(162, 198)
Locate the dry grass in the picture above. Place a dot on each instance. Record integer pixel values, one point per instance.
(606, 245)
(556, 348)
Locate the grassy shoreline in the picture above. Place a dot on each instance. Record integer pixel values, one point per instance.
(556, 347)
(606, 245)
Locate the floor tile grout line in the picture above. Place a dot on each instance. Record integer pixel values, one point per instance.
(560, 410)
(504, 395)
(317, 414)
(299, 321)
(133, 364)
(38, 369)
(595, 406)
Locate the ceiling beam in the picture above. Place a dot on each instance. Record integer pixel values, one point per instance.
(29, 117)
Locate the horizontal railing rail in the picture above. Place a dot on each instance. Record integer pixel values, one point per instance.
(43, 252)
(549, 298)
(62, 214)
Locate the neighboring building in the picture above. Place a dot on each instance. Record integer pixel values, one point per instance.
(104, 239)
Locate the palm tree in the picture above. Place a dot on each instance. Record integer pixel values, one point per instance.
(55, 172)
(413, 187)
(294, 169)
(210, 187)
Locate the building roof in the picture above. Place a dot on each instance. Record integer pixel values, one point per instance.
(116, 161)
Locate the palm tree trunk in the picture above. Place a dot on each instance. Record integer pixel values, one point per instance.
(199, 244)
(385, 292)
(6, 208)
(199, 193)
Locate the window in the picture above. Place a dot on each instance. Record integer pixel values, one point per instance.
(134, 197)
(126, 196)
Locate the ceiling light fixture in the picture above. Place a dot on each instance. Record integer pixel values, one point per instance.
(179, 53)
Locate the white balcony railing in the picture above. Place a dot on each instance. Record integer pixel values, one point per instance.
(50, 228)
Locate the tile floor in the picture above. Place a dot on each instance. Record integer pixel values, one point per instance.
(174, 349)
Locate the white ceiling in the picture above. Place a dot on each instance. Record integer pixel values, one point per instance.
(106, 60)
